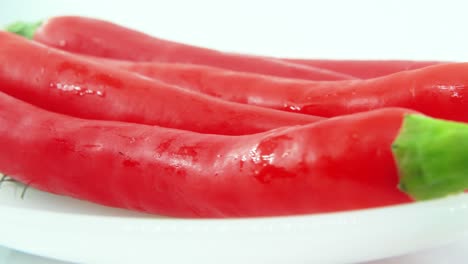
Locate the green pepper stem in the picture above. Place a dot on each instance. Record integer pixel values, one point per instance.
(24, 29)
(432, 157)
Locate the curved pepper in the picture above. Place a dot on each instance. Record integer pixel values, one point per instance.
(343, 163)
(339, 164)
(65, 83)
(439, 91)
(101, 38)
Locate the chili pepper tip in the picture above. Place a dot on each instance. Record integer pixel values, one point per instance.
(432, 157)
(25, 29)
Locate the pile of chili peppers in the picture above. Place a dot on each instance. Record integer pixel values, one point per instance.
(104, 113)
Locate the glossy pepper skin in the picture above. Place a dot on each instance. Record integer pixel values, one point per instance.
(440, 91)
(289, 170)
(64, 83)
(366, 69)
(100, 38)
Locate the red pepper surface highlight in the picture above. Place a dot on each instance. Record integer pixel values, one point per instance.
(338, 164)
(104, 39)
(64, 83)
(366, 69)
(439, 91)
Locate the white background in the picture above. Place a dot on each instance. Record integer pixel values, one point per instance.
(419, 29)
(397, 29)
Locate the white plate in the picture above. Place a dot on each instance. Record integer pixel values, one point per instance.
(76, 231)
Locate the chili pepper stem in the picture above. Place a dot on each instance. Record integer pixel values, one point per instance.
(432, 157)
(25, 29)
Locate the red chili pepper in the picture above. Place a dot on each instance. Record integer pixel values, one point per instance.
(340, 164)
(366, 69)
(64, 83)
(100, 38)
(439, 91)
